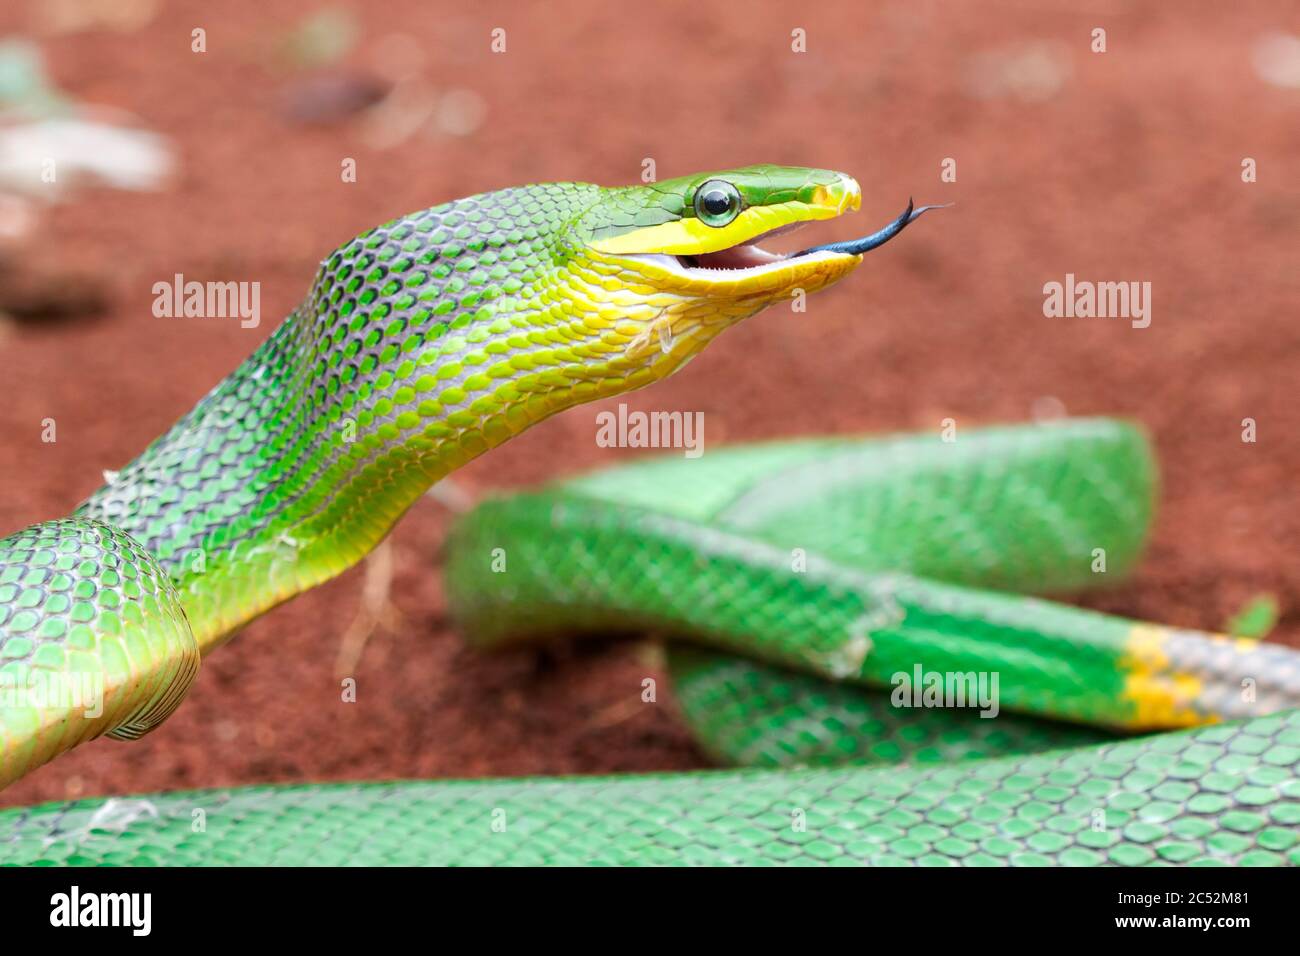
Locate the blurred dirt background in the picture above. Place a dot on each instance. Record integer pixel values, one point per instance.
(1123, 165)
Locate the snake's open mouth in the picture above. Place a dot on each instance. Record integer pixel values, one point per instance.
(747, 255)
(749, 258)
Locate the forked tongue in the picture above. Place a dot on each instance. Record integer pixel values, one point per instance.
(855, 247)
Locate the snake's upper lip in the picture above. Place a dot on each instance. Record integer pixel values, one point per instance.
(744, 255)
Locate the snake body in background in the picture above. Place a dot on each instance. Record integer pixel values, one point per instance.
(831, 565)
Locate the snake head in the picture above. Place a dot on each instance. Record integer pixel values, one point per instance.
(702, 233)
(679, 260)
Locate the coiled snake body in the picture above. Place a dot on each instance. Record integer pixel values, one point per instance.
(794, 578)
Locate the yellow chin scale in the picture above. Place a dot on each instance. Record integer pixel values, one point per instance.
(691, 237)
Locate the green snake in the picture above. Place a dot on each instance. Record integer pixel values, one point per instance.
(842, 613)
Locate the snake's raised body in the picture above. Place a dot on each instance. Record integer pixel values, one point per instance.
(833, 566)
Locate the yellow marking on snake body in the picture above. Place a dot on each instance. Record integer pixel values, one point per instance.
(1161, 696)
(1161, 693)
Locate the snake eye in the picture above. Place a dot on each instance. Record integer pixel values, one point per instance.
(717, 203)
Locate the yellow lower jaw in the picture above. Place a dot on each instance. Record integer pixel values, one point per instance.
(779, 280)
(665, 317)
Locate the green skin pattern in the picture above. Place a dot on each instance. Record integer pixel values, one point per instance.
(799, 585)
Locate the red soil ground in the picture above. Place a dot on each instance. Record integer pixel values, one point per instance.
(1123, 166)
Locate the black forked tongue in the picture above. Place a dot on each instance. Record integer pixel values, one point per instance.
(855, 247)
